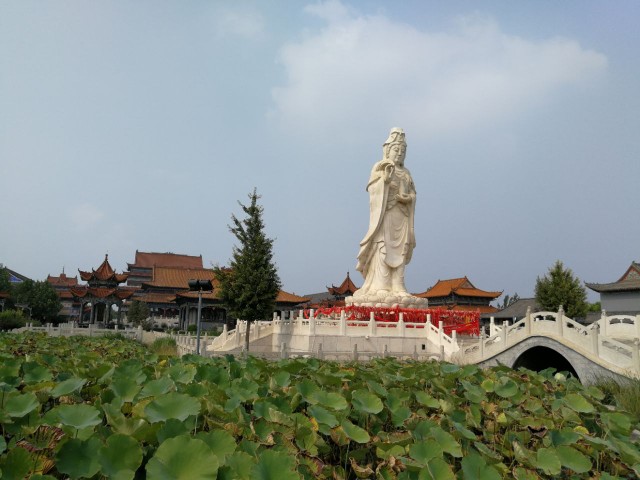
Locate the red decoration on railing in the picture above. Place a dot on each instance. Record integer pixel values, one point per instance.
(463, 322)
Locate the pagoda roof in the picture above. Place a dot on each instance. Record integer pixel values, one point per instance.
(292, 298)
(178, 278)
(460, 286)
(472, 308)
(103, 273)
(102, 292)
(347, 287)
(168, 259)
(62, 280)
(629, 281)
(157, 297)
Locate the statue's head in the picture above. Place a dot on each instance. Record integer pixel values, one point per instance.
(395, 147)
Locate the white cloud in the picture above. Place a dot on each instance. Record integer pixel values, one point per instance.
(245, 23)
(359, 67)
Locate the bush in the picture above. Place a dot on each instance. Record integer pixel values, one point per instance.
(10, 319)
(192, 328)
(623, 394)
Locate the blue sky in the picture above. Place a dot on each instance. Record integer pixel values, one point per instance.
(131, 125)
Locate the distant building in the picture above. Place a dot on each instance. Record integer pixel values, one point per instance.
(515, 311)
(141, 271)
(63, 285)
(333, 296)
(14, 279)
(459, 294)
(622, 296)
(102, 293)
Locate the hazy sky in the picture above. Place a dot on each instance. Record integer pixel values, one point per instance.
(131, 125)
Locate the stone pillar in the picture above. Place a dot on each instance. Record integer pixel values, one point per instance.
(372, 324)
(638, 326)
(402, 327)
(505, 329)
(225, 332)
(481, 346)
(320, 353)
(492, 326)
(355, 352)
(603, 323)
(415, 352)
(343, 323)
(635, 355)
(385, 351)
(527, 321)
(440, 333)
(139, 335)
(312, 325)
(560, 321)
(594, 340)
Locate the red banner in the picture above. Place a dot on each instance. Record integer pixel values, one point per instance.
(463, 322)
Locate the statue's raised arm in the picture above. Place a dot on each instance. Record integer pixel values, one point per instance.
(388, 244)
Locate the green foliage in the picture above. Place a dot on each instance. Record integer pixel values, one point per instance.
(5, 284)
(560, 287)
(508, 300)
(41, 298)
(138, 313)
(95, 408)
(250, 285)
(164, 346)
(192, 328)
(623, 394)
(10, 319)
(594, 307)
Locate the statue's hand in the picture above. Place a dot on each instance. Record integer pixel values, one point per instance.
(404, 197)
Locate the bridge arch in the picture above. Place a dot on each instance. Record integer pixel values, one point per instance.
(540, 358)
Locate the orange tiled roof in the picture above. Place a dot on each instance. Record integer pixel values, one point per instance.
(152, 259)
(157, 298)
(104, 272)
(100, 292)
(346, 287)
(176, 277)
(62, 280)
(286, 297)
(474, 308)
(194, 295)
(460, 286)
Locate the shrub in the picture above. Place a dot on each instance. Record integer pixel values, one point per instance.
(10, 319)
(623, 394)
(192, 328)
(164, 346)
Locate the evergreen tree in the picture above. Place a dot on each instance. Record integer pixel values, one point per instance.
(560, 287)
(41, 298)
(138, 312)
(250, 285)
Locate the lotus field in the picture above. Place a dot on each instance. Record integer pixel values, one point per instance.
(109, 408)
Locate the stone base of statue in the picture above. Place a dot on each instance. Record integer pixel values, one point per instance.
(390, 300)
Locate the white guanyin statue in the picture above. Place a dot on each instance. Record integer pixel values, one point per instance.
(388, 245)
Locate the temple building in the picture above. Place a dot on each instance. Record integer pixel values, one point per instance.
(141, 271)
(333, 296)
(622, 296)
(62, 284)
(102, 292)
(459, 294)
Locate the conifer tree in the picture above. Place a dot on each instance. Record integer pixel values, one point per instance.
(250, 285)
(560, 287)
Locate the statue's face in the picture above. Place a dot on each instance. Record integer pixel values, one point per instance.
(396, 154)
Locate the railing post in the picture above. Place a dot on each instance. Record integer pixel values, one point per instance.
(343, 323)
(320, 353)
(355, 352)
(140, 333)
(638, 326)
(372, 324)
(635, 354)
(603, 323)
(527, 321)
(283, 350)
(312, 325)
(402, 326)
(505, 329)
(481, 349)
(415, 352)
(492, 326)
(594, 340)
(560, 320)
(440, 333)
(442, 352)
(225, 332)
(454, 337)
(385, 351)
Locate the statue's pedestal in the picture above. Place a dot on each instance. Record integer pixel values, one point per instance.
(387, 301)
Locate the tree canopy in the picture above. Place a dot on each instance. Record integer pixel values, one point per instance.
(561, 287)
(5, 284)
(250, 285)
(40, 297)
(138, 312)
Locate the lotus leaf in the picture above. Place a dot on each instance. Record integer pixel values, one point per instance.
(221, 443)
(425, 399)
(577, 402)
(171, 405)
(447, 442)
(35, 373)
(131, 369)
(173, 428)
(617, 422)
(183, 458)
(520, 473)
(77, 416)
(322, 415)
(182, 373)
(436, 469)
(67, 386)
(506, 387)
(573, 459)
(16, 464)
(157, 387)
(237, 467)
(120, 456)
(424, 450)
(331, 400)
(547, 460)
(21, 404)
(365, 401)
(566, 436)
(274, 465)
(474, 467)
(77, 458)
(354, 432)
